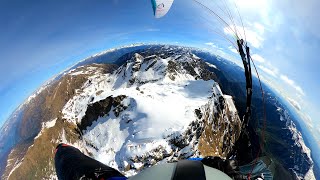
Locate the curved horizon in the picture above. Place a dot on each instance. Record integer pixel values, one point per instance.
(42, 40)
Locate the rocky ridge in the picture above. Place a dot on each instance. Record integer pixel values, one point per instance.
(81, 104)
(212, 125)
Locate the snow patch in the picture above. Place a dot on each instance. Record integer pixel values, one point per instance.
(211, 65)
(16, 165)
(50, 124)
(46, 125)
(107, 136)
(30, 98)
(230, 103)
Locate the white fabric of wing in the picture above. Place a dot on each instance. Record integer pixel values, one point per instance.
(163, 6)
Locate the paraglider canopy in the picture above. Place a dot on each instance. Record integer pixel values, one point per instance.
(161, 7)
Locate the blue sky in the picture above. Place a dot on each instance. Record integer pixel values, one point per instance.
(39, 39)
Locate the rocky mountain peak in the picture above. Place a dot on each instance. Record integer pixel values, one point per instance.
(144, 68)
(168, 107)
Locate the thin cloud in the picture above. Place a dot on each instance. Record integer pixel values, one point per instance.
(308, 121)
(287, 80)
(232, 49)
(258, 58)
(153, 30)
(295, 104)
(300, 90)
(211, 44)
(273, 72)
(310, 125)
(259, 27)
(253, 34)
(292, 84)
(304, 14)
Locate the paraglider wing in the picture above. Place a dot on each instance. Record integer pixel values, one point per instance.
(161, 7)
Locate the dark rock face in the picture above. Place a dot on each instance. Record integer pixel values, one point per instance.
(172, 69)
(100, 109)
(221, 129)
(213, 133)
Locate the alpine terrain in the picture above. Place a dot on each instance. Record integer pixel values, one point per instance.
(137, 106)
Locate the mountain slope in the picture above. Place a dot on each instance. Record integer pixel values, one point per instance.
(47, 105)
(155, 104)
(166, 109)
(153, 108)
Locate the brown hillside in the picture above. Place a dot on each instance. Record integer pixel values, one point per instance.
(46, 106)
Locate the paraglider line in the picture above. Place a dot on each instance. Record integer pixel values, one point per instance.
(212, 12)
(232, 19)
(244, 32)
(264, 119)
(225, 37)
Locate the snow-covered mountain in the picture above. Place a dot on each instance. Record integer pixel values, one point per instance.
(153, 104)
(300, 155)
(160, 109)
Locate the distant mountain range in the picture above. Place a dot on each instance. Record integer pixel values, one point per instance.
(136, 106)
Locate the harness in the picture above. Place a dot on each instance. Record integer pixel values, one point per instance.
(189, 170)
